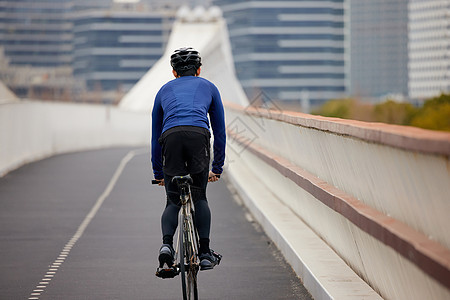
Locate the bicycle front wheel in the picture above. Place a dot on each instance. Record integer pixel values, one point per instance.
(188, 260)
(192, 265)
(181, 253)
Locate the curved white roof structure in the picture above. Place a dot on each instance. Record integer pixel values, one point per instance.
(206, 31)
(6, 95)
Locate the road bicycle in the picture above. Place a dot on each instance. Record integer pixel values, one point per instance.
(187, 261)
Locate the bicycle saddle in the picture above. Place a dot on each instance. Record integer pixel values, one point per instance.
(182, 179)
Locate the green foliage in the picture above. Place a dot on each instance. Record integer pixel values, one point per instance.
(435, 113)
(392, 112)
(339, 108)
(345, 109)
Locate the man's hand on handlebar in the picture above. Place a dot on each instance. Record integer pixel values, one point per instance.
(159, 182)
(212, 177)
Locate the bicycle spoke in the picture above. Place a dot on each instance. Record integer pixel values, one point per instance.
(182, 255)
(187, 247)
(192, 265)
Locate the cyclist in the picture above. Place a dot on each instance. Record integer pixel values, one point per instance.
(181, 145)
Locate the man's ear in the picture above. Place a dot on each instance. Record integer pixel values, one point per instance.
(175, 73)
(198, 71)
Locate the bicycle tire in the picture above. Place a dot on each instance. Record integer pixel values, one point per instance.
(191, 254)
(182, 255)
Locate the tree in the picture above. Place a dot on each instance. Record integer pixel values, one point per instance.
(435, 114)
(346, 109)
(392, 112)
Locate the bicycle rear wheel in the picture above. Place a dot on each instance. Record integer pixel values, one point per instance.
(182, 255)
(193, 266)
(188, 260)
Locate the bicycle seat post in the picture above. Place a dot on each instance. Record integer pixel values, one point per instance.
(183, 183)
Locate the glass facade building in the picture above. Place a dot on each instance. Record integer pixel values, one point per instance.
(289, 49)
(113, 49)
(379, 48)
(97, 45)
(429, 48)
(36, 32)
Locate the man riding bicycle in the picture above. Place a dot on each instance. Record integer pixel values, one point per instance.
(181, 146)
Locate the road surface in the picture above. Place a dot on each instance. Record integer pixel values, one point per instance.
(86, 225)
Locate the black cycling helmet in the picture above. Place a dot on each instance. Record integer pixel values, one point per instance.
(185, 58)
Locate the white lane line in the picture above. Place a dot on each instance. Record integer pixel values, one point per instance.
(66, 250)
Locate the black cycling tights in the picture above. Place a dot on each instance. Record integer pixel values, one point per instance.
(169, 219)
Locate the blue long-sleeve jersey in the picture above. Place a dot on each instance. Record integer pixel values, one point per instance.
(186, 101)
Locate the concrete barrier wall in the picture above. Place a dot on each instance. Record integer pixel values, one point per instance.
(377, 194)
(31, 130)
(359, 210)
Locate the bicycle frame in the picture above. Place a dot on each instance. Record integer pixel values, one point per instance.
(187, 244)
(187, 261)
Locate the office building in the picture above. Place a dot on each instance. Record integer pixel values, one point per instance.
(429, 48)
(379, 48)
(106, 44)
(290, 50)
(36, 33)
(114, 47)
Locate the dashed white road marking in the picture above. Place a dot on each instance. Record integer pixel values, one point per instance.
(44, 282)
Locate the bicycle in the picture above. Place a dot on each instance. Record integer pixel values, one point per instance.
(186, 257)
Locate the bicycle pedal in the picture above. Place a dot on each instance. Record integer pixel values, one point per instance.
(166, 272)
(217, 255)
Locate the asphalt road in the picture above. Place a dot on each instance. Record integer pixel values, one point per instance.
(84, 226)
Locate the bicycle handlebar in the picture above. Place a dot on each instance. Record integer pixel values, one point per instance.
(154, 181)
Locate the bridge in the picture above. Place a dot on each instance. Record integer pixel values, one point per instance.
(357, 210)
